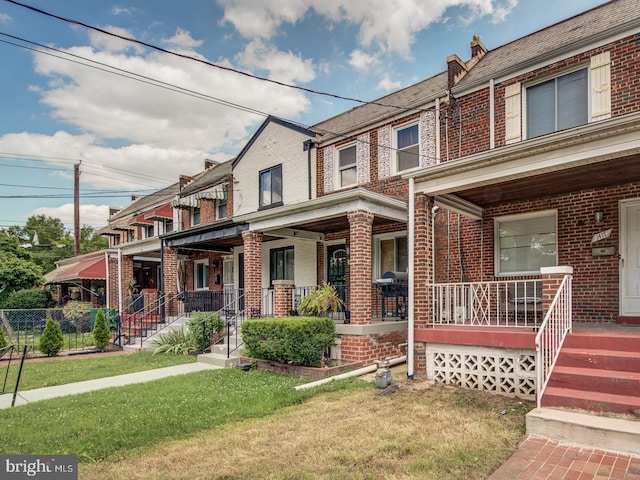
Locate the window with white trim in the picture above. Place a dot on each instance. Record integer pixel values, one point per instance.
(347, 166)
(391, 254)
(195, 216)
(221, 209)
(407, 147)
(201, 275)
(525, 243)
(271, 187)
(557, 104)
(148, 231)
(168, 225)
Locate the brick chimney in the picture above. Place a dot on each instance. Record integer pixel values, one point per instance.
(185, 180)
(208, 163)
(457, 69)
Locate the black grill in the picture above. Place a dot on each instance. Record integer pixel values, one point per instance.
(393, 288)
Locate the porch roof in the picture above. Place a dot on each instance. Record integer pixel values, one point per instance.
(91, 268)
(590, 156)
(326, 214)
(213, 236)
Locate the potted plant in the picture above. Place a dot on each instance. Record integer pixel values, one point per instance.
(322, 299)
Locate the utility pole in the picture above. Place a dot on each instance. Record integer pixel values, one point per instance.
(76, 209)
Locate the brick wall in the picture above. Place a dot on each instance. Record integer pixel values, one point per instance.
(252, 269)
(207, 211)
(360, 222)
(114, 292)
(368, 348)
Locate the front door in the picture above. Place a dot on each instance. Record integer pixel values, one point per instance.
(630, 259)
(336, 269)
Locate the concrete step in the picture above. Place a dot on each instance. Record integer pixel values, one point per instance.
(618, 340)
(617, 434)
(596, 380)
(597, 402)
(219, 360)
(602, 359)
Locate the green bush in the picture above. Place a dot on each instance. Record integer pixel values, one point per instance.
(51, 341)
(296, 340)
(322, 299)
(203, 327)
(3, 339)
(29, 298)
(101, 333)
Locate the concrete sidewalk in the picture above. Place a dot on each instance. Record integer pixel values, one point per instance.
(37, 394)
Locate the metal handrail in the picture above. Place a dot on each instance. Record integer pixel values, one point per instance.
(241, 316)
(556, 325)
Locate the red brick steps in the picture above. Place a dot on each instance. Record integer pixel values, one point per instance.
(598, 370)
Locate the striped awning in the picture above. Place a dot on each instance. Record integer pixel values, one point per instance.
(217, 192)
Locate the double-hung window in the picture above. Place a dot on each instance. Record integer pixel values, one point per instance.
(524, 243)
(407, 148)
(221, 212)
(271, 187)
(168, 226)
(347, 166)
(201, 275)
(148, 231)
(392, 254)
(558, 104)
(281, 264)
(195, 216)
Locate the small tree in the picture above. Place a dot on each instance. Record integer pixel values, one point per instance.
(101, 334)
(3, 339)
(51, 341)
(29, 298)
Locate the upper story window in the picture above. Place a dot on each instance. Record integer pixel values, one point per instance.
(195, 216)
(407, 148)
(524, 243)
(347, 166)
(168, 226)
(270, 187)
(558, 104)
(221, 207)
(148, 231)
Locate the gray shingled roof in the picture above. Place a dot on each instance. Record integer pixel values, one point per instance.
(208, 178)
(565, 36)
(143, 203)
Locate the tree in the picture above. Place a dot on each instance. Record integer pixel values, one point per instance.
(101, 334)
(17, 274)
(30, 298)
(51, 340)
(91, 240)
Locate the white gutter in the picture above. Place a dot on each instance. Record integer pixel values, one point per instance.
(353, 373)
(106, 287)
(411, 252)
(120, 282)
(492, 117)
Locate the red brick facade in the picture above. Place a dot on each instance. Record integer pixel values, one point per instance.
(253, 271)
(360, 266)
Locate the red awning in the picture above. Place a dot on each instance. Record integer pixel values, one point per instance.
(165, 212)
(139, 220)
(89, 269)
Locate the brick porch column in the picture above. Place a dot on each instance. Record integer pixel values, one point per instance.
(126, 265)
(282, 297)
(360, 223)
(551, 279)
(252, 271)
(170, 271)
(114, 292)
(423, 261)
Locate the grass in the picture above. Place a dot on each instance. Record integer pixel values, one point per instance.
(63, 370)
(229, 424)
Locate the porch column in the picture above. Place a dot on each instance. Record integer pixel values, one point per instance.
(423, 261)
(551, 280)
(282, 298)
(170, 266)
(252, 272)
(360, 223)
(128, 281)
(114, 291)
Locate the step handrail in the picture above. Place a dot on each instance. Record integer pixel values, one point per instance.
(555, 327)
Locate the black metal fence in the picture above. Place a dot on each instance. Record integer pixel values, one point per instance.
(24, 327)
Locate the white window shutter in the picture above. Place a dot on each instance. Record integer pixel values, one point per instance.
(513, 113)
(600, 86)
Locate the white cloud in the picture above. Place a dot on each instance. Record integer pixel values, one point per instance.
(387, 25)
(282, 66)
(4, 18)
(103, 41)
(94, 215)
(361, 60)
(182, 39)
(117, 10)
(387, 84)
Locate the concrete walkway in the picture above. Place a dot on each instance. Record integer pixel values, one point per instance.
(37, 394)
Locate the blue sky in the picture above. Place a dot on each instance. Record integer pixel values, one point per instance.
(133, 137)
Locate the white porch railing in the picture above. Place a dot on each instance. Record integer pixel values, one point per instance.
(554, 329)
(507, 303)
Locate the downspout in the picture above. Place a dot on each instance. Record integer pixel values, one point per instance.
(437, 159)
(492, 116)
(411, 286)
(161, 276)
(120, 282)
(308, 145)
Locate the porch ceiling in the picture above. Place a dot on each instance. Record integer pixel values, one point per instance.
(597, 175)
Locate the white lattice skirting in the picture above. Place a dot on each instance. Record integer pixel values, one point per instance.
(502, 371)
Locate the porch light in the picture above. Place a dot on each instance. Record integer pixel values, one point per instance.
(598, 216)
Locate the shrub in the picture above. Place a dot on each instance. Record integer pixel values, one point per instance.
(295, 340)
(3, 339)
(101, 333)
(29, 298)
(51, 341)
(203, 327)
(176, 341)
